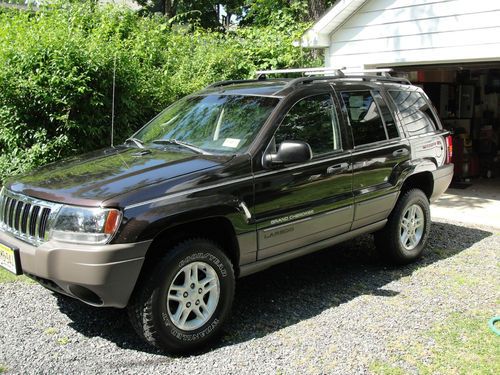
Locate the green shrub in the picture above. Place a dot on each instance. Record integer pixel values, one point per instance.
(57, 71)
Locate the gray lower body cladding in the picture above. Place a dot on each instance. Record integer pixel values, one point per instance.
(103, 275)
(442, 179)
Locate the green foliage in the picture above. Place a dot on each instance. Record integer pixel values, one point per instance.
(275, 12)
(57, 73)
(248, 12)
(201, 12)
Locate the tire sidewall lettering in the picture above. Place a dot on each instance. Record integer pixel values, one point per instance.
(204, 256)
(212, 324)
(194, 336)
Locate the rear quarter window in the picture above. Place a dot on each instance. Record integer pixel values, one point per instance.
(416, 114)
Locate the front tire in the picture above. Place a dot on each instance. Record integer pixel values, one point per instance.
(183, 304)
(405, 235)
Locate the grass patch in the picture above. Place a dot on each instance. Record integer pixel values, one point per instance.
(63, 341)
(8, 277)
(3, 369)
(50, 331)
(464, 345)
(380, 367)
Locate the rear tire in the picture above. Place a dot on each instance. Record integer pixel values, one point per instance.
(183, 304)
(405, 235)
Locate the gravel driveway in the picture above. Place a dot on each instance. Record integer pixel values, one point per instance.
(335, 311)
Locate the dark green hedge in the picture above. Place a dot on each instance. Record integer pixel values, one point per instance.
(56, 70)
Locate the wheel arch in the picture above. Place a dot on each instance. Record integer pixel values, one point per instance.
(422, 180)
(420, 177)
(218, 229)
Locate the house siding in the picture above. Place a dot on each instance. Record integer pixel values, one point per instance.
(408, 32)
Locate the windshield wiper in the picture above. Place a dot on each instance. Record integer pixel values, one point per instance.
(194, 148)
(135, 141)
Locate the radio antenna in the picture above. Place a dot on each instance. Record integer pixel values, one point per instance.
(113, 102)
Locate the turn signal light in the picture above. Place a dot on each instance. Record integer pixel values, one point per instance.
(112, 222)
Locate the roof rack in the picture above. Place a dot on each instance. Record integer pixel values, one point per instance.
(318, 74)
(306, 71)
(325, 71)
(366, 78)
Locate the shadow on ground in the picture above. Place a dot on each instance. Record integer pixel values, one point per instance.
(291, 292)
(456, 201)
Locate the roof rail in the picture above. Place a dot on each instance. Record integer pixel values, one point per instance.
(384, 77)
(232, 82)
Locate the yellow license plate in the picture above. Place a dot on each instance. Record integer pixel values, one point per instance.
(9, 259)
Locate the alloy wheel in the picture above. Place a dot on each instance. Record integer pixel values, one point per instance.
(193, 296)
(411, 227)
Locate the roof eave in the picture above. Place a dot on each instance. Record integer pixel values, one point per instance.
(312, 39)
(318, 35)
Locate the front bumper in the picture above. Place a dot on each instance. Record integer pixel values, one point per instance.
(102, 275)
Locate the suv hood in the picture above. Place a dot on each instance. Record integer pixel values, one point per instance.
(93, 178)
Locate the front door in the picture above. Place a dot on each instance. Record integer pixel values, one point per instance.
(299, 204)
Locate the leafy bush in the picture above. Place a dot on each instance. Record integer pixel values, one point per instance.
(57, 73)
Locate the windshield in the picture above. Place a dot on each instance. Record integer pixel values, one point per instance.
(214, 123)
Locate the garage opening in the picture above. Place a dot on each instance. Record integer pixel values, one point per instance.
(467, 98)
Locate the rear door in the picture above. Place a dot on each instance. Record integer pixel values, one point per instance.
(377, 155)
(299, 204)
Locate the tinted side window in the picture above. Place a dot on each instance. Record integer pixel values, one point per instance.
(364, 117)
(390, 124)
(417, 117)
(312, 120)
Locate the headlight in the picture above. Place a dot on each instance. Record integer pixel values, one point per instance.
(85, 225)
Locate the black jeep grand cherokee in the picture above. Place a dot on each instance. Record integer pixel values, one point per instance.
(224, 183)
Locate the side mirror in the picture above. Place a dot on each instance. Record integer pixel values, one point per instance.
(290, 152)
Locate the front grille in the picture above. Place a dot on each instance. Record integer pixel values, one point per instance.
(27, 218)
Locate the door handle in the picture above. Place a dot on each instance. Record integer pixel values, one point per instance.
(337, 168)
(400, 152)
